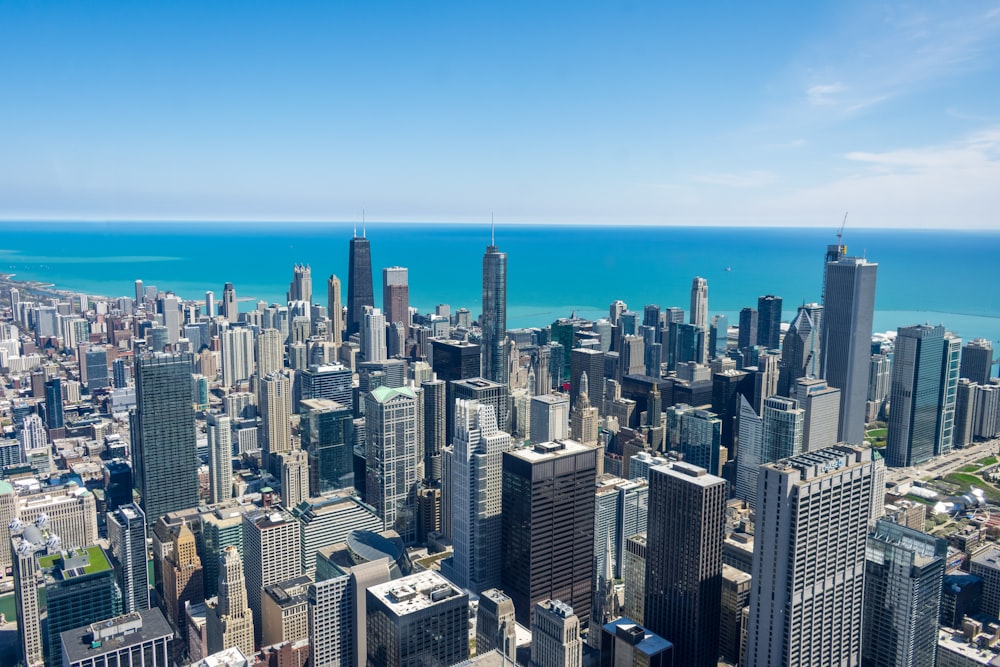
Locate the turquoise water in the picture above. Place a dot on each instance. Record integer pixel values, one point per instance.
(935, 276)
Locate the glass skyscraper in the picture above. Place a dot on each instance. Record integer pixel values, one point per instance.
(359, 283)
(494, 322)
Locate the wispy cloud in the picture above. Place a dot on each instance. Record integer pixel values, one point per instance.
(746, 179)
(824, 94)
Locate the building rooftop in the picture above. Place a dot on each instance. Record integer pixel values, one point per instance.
(988, 557)
(689, 473)
(954, 642)
(383, 393)
(734, 574)
(230, 657)
(546, 451)
(289, 593)
(551, 399)
(115, 634)
(66, 565)
(415, 592)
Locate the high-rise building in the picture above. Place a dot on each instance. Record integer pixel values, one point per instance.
(821, 404)
(454, 360)
(555, 635)
(494, 323)
(549, 417)
(327, 429)
(136, 639)
(396, 295)
(735, 600)
(769, 321)
(848, 309)
(230, 310)
(237, 355)
(812, 522)
(359, 283)
(301, 287)
(904, 570)
(335, 310)
(684, 560)
(271, 546)
(294, 477)
(220, 458)
(96, 361)
(164, 448)
(220, 528)
(977, 361)
(435, 423)
(54, 418)
(127, 535)
(922, 397)
(229, 620)
(699, 302)
(331, 520)
(270, 352)
(776, 434)
(183, 579)
(590, 361)
(799, 353)
(326, 381)
(476, 480)
(697, 434)
(392, 455)
(747, 336)
(584, 418)
(495, 624)
(548, 525)
(373, 345)
(274, 402)
(718, 336)
(421, 619)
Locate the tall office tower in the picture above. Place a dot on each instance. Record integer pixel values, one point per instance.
(359, 283)
(327, 381)
(848, 308)
(220, 528)
(141, 638)
(621, 509)
(27, 547)
(586, 360)
(301, 287)
(271, 546)
(392, 455)
(435, 422)
(904, 570)
(631, 358)
(285, 612)
(634, 574)
(977, 361)
(821, 404)
(495, 625)
(96, 362)
(34, 444)
(494, 323)
(230, 310)
(164, 448)
(421, 619)
(331, 520)
(54, 418)
(921, 419)
(294, 476)
(270, 352)
(237, 355)
(121, 372)
(487, 393)
(699, 302)
(170, 307)
(965, 401)
(879, 380)
(548, 525)
(542, 362)
(812, 522)
(555, 635)
(584, 418)
(697, 434)
(718, 336)
(776, 434)
(229, 621)
(127, 535)
(210, 311)
(549, 417)
(748, 329)
(327, 434)
(799, 353)
(182, 576)
(396, 295)
(684, 560)
(475, 489)
(769, 321)
(373, 335)
(735, 600)
(335, 310)
(274, 403)
(220, 458)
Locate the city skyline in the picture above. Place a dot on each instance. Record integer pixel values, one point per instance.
(641, 114)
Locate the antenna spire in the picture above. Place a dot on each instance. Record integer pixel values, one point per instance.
(364, 225)
(493, 230)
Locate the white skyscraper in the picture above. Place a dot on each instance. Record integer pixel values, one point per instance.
(270, 352)
(549, 417)
(476, 503)
(220, 458)
(373, 335)
(699, 302)
(172, 317)
(237, 355)
(393, 452)
(780, 436)
(229, 620)
(35, 443)
(275, 406)
(809, 559)
(271, 546)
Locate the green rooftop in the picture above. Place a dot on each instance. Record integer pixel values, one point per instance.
(76, 563)
(383, 393)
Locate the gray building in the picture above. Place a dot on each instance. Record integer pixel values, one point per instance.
(127, 534)
(137, 639)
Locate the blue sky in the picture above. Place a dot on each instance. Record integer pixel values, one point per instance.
(726, 113)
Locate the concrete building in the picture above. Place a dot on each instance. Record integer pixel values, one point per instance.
(284, 611)
(821, 404)
(127, 535)
(985, 564)
(735, 603)
(549, 417)
(220, 458)
(495, 624)
(393, 454)
(329, 520)
(271, 554)
(555, 635)
(625, 643)
(137, 639)
(229, 620)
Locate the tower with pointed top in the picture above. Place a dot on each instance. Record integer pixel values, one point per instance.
(494, 322)
(301, 287)
(584, 418)
(359, 281)
(229, 619)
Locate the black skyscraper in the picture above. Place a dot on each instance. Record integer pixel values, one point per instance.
(769, 321)
(494, 322)
(748, 329)
(359, 283)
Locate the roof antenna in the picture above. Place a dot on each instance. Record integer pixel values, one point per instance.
(493, 230)
(364, 225)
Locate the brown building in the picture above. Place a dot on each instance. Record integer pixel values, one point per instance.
(182, 576)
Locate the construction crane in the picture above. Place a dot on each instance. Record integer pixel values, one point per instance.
(840, 234)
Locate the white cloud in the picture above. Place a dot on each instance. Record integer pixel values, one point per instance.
(746, 179)
(824, 94)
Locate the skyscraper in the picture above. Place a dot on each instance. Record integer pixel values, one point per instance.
(747, 336)
(396, 295)
(127, 534)
(229, 619)
(229, 308)
(495, 624)
(812, 513)
(586, 360)
(780, 436)
(270, 349)
(334, 310)
(294, 468)
(359, 283)
(977, 361)
(684, 560)
(848, 309)
(555, 635)
(548, 525)
(821, 403)
(327, 436)
(699, 302)
(769, 321)
(435, 425)
(373, 335)
(54, 418)
(392, 457)
(271, 554)
(164, 448)
(924, 362)
(904, 569)
(220, 458)
(237, 355)
(476, 481)
(494, 322)
(799, 353)
(301, 287)
(183, 579)
(274, 402)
